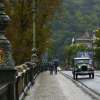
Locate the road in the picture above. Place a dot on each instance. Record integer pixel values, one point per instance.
(56, 87)
(92, 84)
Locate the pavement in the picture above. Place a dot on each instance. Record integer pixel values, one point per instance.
(55, 87)
(97, 71)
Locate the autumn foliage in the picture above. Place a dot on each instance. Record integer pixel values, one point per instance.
(19, 31)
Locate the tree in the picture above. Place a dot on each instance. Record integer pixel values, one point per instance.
(19, 31)
(45, 11)
(74, 16)
(72, 50)
(97, 49)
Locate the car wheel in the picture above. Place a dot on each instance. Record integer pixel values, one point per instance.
(73, 76)
(89, 75)
(76, 76)
(93, 75)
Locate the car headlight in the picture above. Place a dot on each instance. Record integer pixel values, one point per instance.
(79, 67)
(89, 67)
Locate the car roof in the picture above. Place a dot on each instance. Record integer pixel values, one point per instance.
(78, 58)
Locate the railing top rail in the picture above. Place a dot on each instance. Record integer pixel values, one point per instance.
(3, 87)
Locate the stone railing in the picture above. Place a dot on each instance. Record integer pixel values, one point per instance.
(25, 78)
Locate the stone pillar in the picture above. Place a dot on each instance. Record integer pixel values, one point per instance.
(7, 66)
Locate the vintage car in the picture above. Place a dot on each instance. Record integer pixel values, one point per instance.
(83, 66)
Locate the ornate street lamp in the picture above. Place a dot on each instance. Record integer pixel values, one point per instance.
(7, 66)
(5, 45)
(34, 50)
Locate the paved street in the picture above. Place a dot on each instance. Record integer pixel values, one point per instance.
(93, 84)
(56, 87)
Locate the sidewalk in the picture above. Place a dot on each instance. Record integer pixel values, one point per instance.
(56, 87)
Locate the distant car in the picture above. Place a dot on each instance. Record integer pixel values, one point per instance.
(83, 66)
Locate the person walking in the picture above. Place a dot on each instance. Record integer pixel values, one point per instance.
(51, 68)
(55, 66)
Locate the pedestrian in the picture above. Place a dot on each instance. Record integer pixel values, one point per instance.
(51, 68)
(55, 66)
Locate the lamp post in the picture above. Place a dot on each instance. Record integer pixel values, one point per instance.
(7, 66)
(34, 50)
(93, 46)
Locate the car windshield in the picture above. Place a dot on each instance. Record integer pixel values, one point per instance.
(82, 61)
